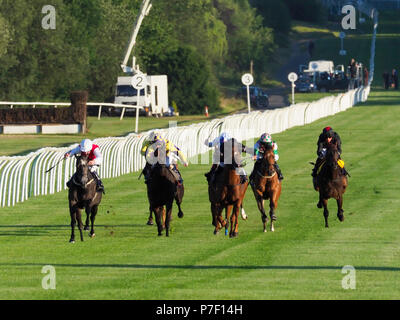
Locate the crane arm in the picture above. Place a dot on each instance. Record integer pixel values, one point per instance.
(144, 11)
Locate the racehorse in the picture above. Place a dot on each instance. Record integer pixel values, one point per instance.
(83, 194)
(161, 191)
(227, 192)
(331, 183)
(266, 185)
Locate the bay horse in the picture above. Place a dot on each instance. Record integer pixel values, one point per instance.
(161, 191)
(83, 194)
(266, 185)
(228, 192)
(331, 183)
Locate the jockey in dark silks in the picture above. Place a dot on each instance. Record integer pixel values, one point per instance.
(327, 137)
(219, 158)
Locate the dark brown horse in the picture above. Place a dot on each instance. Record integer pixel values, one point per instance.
(83, 194)
(331, 183)
(161, 191)
(227, 192)
(266, 185)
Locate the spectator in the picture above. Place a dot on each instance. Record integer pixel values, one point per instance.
(353, 73)
(386, 80)
(395, 79)
(366, 77)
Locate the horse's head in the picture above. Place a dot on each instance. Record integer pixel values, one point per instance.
(82, 169)
(332, 156)
(268, 159)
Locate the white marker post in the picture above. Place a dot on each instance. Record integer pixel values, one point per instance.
(342, 35)
(139, 82)
(293, 78)
(247, 80)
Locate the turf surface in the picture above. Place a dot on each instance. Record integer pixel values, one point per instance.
(302, 259)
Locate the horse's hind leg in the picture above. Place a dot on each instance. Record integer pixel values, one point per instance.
(340, 209)
(86, 228)
(92, 218)
(235, 222)
(150, 220)
(168, 218)
(159, 220)
(326, 212)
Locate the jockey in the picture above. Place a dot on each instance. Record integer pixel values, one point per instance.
(219, 158)
(95, 159)
(328, 136)
(259, 150)
(172, 155)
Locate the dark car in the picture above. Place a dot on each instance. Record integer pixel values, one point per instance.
(304, 84)
(258, 97)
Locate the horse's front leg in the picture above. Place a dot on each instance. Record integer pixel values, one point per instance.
(260, 205)
(228, 211)
(272, 207)
(73, 222)
(340, 209)
(79, 222)
(324, 203)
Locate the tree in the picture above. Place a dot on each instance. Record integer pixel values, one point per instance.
(188, 80)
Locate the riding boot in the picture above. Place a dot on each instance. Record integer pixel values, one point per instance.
(99, 183)
(243, 179)
(179, 180)
(278, 170)
(69, 183)
(210, 174)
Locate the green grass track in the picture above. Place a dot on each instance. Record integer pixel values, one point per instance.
(301, 260)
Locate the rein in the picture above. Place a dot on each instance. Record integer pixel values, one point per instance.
(266, 177)
(80, 185)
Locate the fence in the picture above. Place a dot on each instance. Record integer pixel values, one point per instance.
(22, 177)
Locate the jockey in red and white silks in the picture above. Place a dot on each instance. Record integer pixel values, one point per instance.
(94, 155)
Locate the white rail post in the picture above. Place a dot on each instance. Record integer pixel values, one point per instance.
(137, 120)
(99, 115)
(122, 114)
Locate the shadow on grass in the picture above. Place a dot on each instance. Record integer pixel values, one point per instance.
(200, 267)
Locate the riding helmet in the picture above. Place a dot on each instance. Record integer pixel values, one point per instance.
(86, 145)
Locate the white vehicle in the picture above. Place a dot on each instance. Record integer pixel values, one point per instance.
(321, 66)
(154, 97)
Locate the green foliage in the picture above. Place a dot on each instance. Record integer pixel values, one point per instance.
(275, 14)
(188, 80)
(214, 37)
(310, 10)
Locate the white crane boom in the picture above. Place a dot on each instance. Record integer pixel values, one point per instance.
(144, 11)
